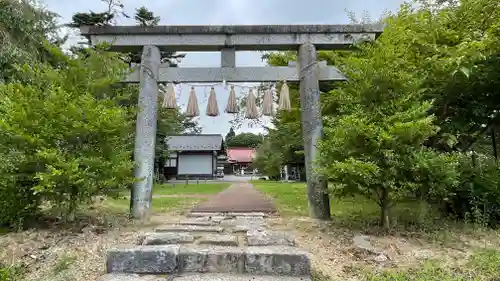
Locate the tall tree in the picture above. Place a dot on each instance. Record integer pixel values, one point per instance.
(245, 140)
(26, 27)
(170, 121)
(230, 134)
(145, 17)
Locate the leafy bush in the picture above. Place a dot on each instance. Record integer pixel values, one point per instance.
(476, 197)
(17, 201)
(64, 137)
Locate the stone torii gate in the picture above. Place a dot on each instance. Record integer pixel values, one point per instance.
(229, 39)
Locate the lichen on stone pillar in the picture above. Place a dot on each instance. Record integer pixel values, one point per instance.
(312, 130)
(145, 137)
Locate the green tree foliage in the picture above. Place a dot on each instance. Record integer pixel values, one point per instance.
(66, 126)
(230, 134)
(25, 26)
(244, 140)
(65, 137)
(145, 17)
(374, 145)
(459, 63)
(427, 87)
(268, 160)
(169, 121)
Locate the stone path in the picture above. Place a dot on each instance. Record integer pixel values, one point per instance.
(239, 197)
(211, 247)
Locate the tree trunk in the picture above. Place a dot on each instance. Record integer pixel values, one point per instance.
(384, 209)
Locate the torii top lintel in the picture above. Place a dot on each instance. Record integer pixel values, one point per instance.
(237, 37)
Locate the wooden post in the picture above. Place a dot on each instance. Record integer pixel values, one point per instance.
(312, 130)
(145, 137)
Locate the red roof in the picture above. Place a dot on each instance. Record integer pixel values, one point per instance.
(240, 154)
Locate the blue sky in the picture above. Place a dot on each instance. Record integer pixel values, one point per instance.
(227, 12)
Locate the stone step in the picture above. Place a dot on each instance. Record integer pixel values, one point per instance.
(167, 238)
(199, 277)
(131, 277)
(227, 215)
(233, 277)
(190, 228)
(164, 259)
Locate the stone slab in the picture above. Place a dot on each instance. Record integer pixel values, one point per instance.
(199, 277)
(198, 215)
(263, 237)
(249, 214)
(219, 240)
(277, 260)
(189, 228)
(163, 238)
(244, 224)
(233, 277)
(218, 219)
(213, 259)
(131, 277)
(198, 221)
(143, 259)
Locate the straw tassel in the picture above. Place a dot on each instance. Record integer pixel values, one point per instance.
(212, 107)
(284, 103)
(169, 97)
(192, 107)
(267, 103)
(251, 112)
(232, 106)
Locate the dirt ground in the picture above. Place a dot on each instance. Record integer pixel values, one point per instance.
(336, 257)
(78, 254)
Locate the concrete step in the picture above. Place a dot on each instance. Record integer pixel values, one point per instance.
(167, 238)
(164, 259)
(131, 277)
(190, 228)
(232, 277)
(199, 277)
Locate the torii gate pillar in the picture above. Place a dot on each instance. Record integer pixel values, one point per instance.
(145, 133)
(312, 131)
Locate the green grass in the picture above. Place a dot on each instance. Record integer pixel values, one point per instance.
(358, 213)
(63, 263)
(191, 188)
(291, 199)
(164, 204)
(411, 219)
(11, 273)
(482, 266)
(159, 205)
(182, 188)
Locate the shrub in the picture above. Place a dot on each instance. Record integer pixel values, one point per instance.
(476, 198)
(64, 137)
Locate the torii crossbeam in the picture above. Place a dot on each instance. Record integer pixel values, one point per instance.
(229, 39)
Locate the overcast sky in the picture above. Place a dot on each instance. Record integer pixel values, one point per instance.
(227, 12)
